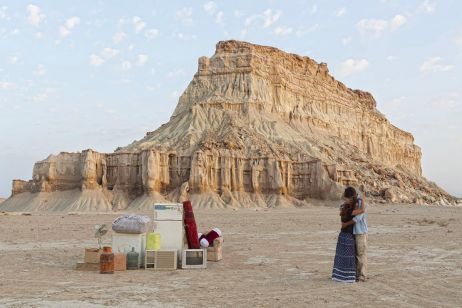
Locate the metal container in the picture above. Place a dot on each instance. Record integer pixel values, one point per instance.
(132, 259)
(106, 261)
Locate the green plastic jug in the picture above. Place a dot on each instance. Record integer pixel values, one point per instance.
(132, 259)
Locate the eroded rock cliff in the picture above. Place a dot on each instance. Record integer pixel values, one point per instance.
(255, 127)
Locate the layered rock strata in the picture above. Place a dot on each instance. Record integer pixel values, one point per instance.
(255, 127)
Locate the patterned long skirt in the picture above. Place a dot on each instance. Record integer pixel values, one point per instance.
(345, 258)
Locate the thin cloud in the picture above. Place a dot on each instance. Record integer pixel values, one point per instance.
(95, 60)
(219, 18)
(428, 7)
(434, 65)
(3, 15)
(185, 16)
(7, 85)
(184, 37)
(119, 37)
(43, 95)
(13, 60)
(141, 59)
(210, 7)
(458, 39)
(283, 30)
(375, 27)
(35, 15)
(238, 14)
(395, 103)
(126, 65)
(372, 27)
(40, 70)
(340, 12)
(302, 31)
(175, 94)
(449, 101)
(397, 22)
(138, 24)
(268, 18)
(391, 58)
(176, 73)
(353, 66)
(108, 53)
(151, 34)
(314, 9)
(153, 88)
(68, 26)
(104, 55)
(346, 40)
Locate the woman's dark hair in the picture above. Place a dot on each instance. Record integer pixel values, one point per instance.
(350, 192)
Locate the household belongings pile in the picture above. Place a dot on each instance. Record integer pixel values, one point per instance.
(174, 242)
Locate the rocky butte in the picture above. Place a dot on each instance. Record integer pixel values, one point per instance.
(255, 127)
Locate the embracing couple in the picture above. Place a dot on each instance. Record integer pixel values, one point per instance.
(350, 263)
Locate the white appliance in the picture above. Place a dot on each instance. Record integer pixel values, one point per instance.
(123, 242)
(168, 221)
(194, 258)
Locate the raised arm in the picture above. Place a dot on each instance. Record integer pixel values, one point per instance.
(360, 209)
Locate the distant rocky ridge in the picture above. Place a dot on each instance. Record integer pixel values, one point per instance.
(255, 127)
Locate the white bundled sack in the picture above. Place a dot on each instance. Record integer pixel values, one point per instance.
(134, 224)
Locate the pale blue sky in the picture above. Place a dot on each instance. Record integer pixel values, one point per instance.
(99, 74)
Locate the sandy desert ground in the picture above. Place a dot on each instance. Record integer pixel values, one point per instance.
(273, 257)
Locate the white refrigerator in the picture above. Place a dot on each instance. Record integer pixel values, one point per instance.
(168, 222)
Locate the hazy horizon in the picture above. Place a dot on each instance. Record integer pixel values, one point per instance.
(100, 74)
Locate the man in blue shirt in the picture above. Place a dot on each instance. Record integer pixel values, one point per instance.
(360, 232)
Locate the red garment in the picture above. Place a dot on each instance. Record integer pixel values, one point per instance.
(206, 240)
(190, 226)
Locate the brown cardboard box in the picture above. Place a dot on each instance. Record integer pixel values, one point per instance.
(218, 242)
(120, 261)
(92, 255)
(214, 256)
(214, 249)
(214, 253)
(82, 266)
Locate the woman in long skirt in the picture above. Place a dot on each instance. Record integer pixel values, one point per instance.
(345, 254)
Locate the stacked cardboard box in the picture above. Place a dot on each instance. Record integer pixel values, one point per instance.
(120, 261)
(91, 260)
(214, 253)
